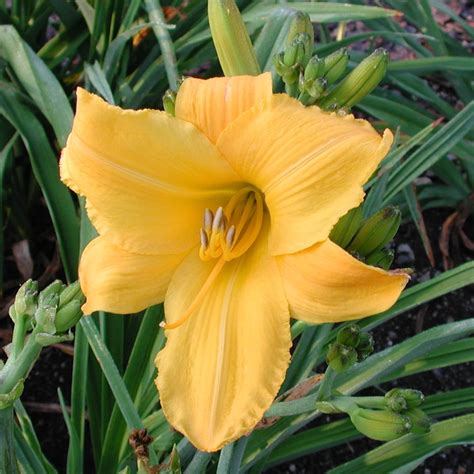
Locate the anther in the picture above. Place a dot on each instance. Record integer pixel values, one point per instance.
(207, 220)
(218, 221)
(204, 239)
(229, 238)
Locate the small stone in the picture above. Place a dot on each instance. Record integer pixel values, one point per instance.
(405, 255)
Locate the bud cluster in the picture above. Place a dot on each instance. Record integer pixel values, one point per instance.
(367, 238)
(382, 418)
(400, 414)
(351, 346)
(54, 310)
(313, 79)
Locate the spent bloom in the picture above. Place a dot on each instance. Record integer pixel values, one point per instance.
(223, 212)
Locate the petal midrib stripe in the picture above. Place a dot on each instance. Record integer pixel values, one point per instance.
(162, 185)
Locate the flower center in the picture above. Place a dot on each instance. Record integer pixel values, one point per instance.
(230, 232)
(226, 235)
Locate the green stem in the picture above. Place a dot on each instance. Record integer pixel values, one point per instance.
(18, 339)
(8, 461)
(164, 39)
(369, 402)
(325, 386)
(18, 369)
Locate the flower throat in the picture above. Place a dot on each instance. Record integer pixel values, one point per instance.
(226, 235)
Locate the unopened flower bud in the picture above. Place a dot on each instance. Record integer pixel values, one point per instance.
(381, 425)
(349, 335)
(71, 292)
(335, 65)
(359, 83)
(68, 315)
(301, 23)
(25, 300)
(376, 231)
(341, 357)
(46, 313)
(347, 226)
(314, 69)
(420, 421)
(400, 399)
(53, 289)
(231, 39)
(298, 52)
(365, 346)
(169, 101)
(382, 258)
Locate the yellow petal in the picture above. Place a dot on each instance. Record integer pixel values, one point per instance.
(212, 104)
(326, 284)
(147, 176)
(311, 166)
(220, 370)
(122, 282)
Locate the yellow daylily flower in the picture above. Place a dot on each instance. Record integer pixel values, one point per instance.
(223, 212)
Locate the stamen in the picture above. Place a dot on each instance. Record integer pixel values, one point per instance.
(229, 238)
(199, 297)
(218, 220)
(204, 239)
(207, 220)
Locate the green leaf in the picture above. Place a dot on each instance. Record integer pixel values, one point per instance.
(417, 216)
(164, 39)
(30, 437)
(135, 375)
(45, 168)
(440, 63)
(38, 81)
(457, 352)
(431, 151)
(74, 458)
(407, 452)
(322, 12)
(96, 76)
(122, 397)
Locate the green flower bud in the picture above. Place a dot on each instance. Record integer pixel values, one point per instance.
(382, 258)
(169, 101)
(335, 65)
(359, 83)
(52, 289)
(313, 69)
(341, 357)
(365, 346)
(288, 74)
(420, 421)
(25, 300)
(231, 39)
(381, 425)
(376, 231)
(68, 315)
(316, 88)
(406, 398)
(349, 335)
(71, 292)
(300, 24)
(46, 313)
(396, 403)
(298, 53)
(347, 226)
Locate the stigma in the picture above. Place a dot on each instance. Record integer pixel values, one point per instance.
(231, 231)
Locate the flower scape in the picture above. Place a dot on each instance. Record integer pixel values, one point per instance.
(223, 212)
